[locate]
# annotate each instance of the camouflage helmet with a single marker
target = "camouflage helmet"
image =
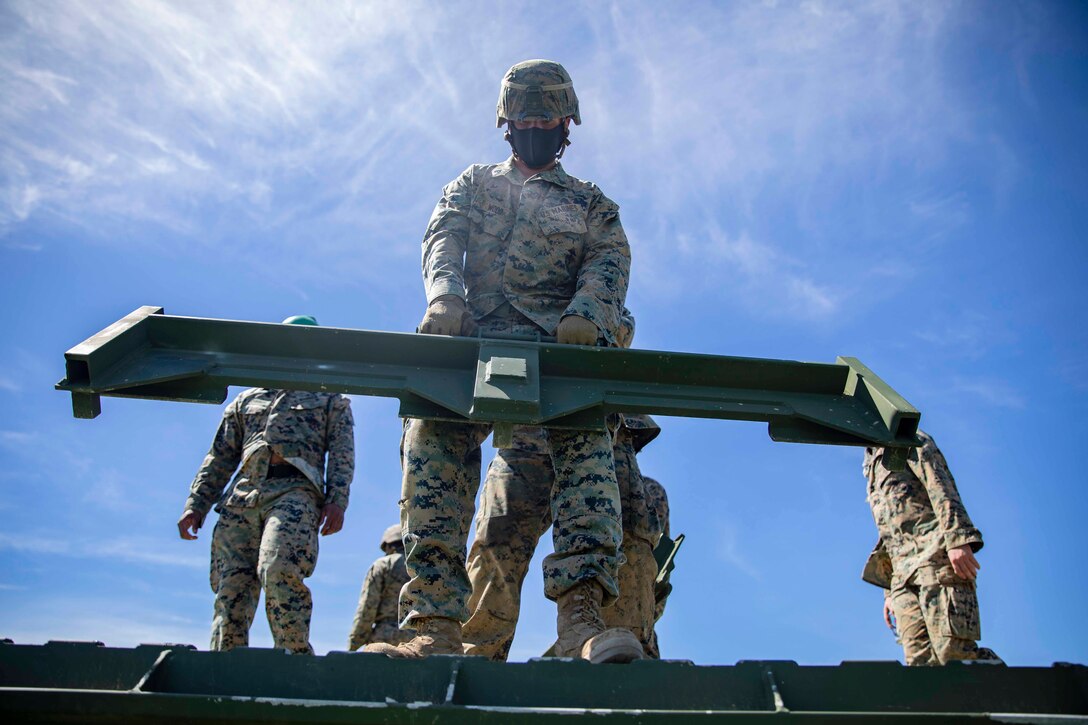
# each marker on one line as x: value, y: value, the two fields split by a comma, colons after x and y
x: 642, y: 429
x: 391, y: 536
x: 536, y: 89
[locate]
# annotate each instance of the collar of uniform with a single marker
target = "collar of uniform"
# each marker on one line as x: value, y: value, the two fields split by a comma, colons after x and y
x: 555, y: 175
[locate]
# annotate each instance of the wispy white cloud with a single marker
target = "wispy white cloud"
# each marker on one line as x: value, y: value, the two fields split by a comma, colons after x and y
x: 966, y: 332
x: 88, y: 620
x: 761, y: 274
x: 992, y: 391
x: 298, y: 118
x: 139, y: 551
x: 730, y: 551
x: 941, y: 214
x: 107, y: 490
x: 16, y: 437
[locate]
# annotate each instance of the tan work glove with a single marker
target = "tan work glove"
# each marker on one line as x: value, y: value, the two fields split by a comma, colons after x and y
x: 448, y: 315
x: 575, y: 330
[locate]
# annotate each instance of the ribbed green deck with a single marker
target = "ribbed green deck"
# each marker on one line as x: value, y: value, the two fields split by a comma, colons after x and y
x: 88, y: 683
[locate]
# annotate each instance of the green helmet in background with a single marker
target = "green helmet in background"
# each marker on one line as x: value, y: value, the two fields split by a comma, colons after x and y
x: 536, y: 90
x: 300, y: 320
x: 391, y: 536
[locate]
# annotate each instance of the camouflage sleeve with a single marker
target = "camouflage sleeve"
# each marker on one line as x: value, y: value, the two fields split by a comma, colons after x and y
x: 369, y: 598
x: 659, y: 502
x: 341, y: 446
x: 605, y: 272
x: 446, y: 240
x: 218, y: 466
x: 929, y: 465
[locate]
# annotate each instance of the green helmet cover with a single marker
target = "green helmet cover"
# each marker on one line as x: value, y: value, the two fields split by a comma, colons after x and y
x: 301, y: 320
x: 536, y: 90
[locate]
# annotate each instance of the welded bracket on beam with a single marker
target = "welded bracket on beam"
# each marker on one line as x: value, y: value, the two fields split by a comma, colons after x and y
x: 503, y: 382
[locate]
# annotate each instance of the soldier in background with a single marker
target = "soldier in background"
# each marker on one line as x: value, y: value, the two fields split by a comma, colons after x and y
x: 515, y: 513
x: 376, y: 617
x: 269, y: 518
x: 925, y: 557
x: 658, y: 502
x: 519, y: 248
x: 642, y: 528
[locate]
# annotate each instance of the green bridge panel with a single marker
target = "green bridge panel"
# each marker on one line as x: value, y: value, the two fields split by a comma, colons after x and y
x: 503, y: 381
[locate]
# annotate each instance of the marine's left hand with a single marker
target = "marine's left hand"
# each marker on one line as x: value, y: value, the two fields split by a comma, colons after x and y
x: 332, y: 519
x: 576, y: 330
x: 964, y: 562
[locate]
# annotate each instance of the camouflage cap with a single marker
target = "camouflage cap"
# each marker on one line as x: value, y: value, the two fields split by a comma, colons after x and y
x: 391, y: 536
x: 643, y: 429
x: 536, y: 89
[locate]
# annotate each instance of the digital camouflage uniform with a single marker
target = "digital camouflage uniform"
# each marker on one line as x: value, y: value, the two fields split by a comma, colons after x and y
x: 515, y: 513
x: 523, y: 253
x: 920, y: 517
x: 376, y: 617
x: 266, y: 536
x: 658, y: 502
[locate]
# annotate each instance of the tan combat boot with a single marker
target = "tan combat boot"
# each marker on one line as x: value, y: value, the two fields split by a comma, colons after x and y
x: 583, y: 634
x: 434, y: 636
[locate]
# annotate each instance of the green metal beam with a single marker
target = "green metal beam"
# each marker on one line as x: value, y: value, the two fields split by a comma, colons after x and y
x: 82, y: 682
x: 502, y: 381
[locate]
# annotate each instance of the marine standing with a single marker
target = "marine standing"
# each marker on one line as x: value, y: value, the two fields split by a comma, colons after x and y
x: 283, y: 493
x: 925, y: 557
x: 519, y: 247
x: 515, y: 512
x: 659, y: 502
x: 376, y: 616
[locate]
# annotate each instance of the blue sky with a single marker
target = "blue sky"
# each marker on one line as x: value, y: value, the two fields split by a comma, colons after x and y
x: 902, y: 182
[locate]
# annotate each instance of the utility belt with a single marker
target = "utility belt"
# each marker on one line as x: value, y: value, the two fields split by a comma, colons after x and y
x: 283, y: 470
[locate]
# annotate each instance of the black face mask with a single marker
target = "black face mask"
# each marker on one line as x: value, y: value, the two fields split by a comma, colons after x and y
x: 537, y: 147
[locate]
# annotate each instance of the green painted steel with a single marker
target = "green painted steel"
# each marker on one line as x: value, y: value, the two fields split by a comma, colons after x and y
x: 85, y: 682
x: 503, y: 381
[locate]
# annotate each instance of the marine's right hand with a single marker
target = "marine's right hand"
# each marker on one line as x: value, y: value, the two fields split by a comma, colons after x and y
x: 447, y: 315
x: 189, y: 524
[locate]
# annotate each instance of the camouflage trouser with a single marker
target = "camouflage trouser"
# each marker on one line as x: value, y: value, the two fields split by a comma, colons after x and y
x: 634, y: 610
x: 514, y: 514
x: 441, y: 477
x: 271, y: 546
x: 938, y: 623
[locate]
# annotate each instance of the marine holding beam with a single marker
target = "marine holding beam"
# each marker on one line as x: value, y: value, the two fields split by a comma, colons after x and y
x: 152, y: 355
